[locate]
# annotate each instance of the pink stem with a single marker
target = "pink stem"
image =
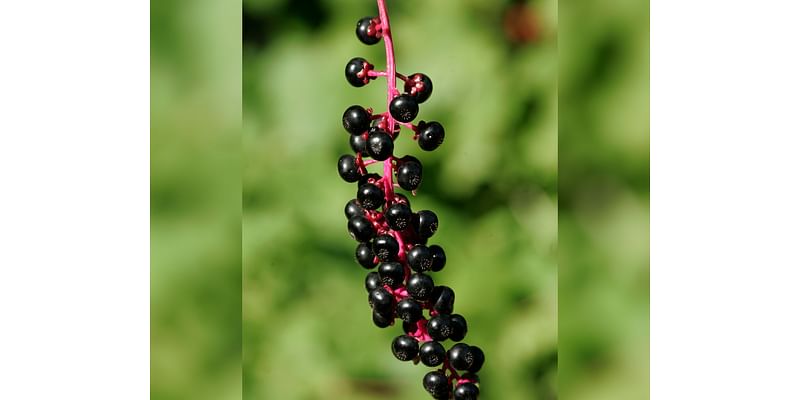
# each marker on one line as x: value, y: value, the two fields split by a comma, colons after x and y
x: 391, y: 92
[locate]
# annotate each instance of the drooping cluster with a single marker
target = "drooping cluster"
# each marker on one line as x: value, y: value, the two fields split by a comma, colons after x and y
x: 393, y: 239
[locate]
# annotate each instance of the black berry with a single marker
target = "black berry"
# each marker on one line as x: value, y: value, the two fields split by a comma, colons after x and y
x: 459, y: 325
x: 420, y: 286
x: 419, y: 258
x: 370, y: 196
x: 353, y: 208
x: 438, y: 257
x: 364, y: 256
x: 425, y: 224
x: 405, y: 347
x: 379, y: 145
x: 367, y: 30
x: 356, y: 71
x: 443, y: 299
x: 382, y: 319
x: 380, y: 299
x: 372, y: 281
x: 478, y: 359
x: 409, y: 173
x: 368, y: 178
x: 385, y: 247
x: 348, y: 169
x: 355, y: 120
x: 466, y: 391
x: 391, y: 273
x: 431, y: 135
x: 360, y: 228
x: 439, y: 327
x: 409, y: 310
x: 404, y: 108
x: 398, y: 216
x: 436, y: 383
x: 419, y: 86
x: 432, y: 354
x: 358, y: 143
x: 461, y: 356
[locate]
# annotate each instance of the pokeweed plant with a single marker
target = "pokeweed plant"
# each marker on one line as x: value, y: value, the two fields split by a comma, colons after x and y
x: 393, y: 239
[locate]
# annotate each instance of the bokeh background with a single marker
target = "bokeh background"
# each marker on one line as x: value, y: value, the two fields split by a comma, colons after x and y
x: 307, y: 330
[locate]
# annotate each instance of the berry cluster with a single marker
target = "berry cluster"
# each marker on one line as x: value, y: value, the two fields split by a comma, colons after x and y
x: 393, y: 239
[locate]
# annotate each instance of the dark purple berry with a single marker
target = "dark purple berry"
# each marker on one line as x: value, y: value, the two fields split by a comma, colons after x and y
x: 360, y: 228
x: 409, y: 173
x: 404, y: 108
x: 358, y: 143
x: 355, y: 120
x: 419, y: 86
x: 391, y: 273
x: 466, y: 391
x: 380, y: 299
x: 370, y: 196
x: 398, y: 216
x: 409, y: 310
x: 420, y: 286
x: 439, y: 327
x: 436, y: 383
x: 372, y: 281
x: 353, y: 208
x: 364, y: 256
x: 459, y: 324
x: 405, y: 348
x: 443, y: 299
x: 425, y: 224
x: 348, y: 169
x: 431, y: 135
x: 478, y: 359
x: 419, y: 258
x: 432, y: 354
x: 385, y: 247
x: 368, y: 178
x: 367, y: 30
x: 461, y: 356
x: 356, y: 71
x: 382, y: 319
x: 438, y: 257
x: 379, y: 145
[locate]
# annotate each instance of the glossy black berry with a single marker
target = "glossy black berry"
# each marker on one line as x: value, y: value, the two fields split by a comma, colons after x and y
x: 466, y: 391
x: 380, y: 299
x: 409, y: 173
x: 405, y: 348
x: 460, y: 356
x: 348, y: 169
x: 420, y: 286
x: 459, y: 324
x: 401, y: 198
x: 419, y: 86
x: 409, y: 327
x: 409, y: 310
x: 443, y: 299
x: 404, y: 108
x: 398, y: 216
x: 367, y: 31
x: 419, y: 258
x: 385, y: 247
x: 392, y: 273
x: 355, y: 120
x: 383, y: 124
x: 438, y: 257
x: 372, y: 281
x: 431, y: 135
x: 432, y: 354
x: 368, y: 178
x: 436, y: 383
x: 379, y: 145
x: 425, y: 224
x: 364, y: 256
x: 360, y: 228
x: 370, y: 196
x: 353, y: 208
x: 478, y: 359
x: 382, y: 319
x: 439, y: 327
x: 358, y: 143
x: 355, y: 67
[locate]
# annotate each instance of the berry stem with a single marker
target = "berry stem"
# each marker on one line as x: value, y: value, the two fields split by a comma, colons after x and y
x: 391, y: 90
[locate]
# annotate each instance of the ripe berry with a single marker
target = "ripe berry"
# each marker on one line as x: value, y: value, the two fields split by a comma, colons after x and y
x: 385, y: 247
x: 353, y: 208
x: 398, y: 216
x: 360, y: 228
x: 478, y: 359
x: 420, y: 286
x: 372, y: 281
x: 391, y: 273
x: 358, y: 143
x: 356, y: 71
x: 409, y: 173
x: 461, y: 356
x: 439, y: 259
x: 466, y: 391
x: 380, y: 299
x: 442, y: 299
x: 419, y: 86
x: 425, y: 224
x: 436, y: 383
x: 439, y: 327
x: 368, y: 178
x: 364, y: 256
x: 409, y: 310
x: 404, y: 108
x: 405, y: 347
x: 419, y: 258
x: 367, y: 31
x: 431, y: 135
x: 348, y: 169
x: 379, y: 145
x: 459, y: 324
x: 383, y: 124
x: 355, y: 120
x: 382, y: 319
x: 431, y: 354
x: 370, y: 196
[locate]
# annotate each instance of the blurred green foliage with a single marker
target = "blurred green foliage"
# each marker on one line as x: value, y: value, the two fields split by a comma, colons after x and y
x: 307, y: 326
